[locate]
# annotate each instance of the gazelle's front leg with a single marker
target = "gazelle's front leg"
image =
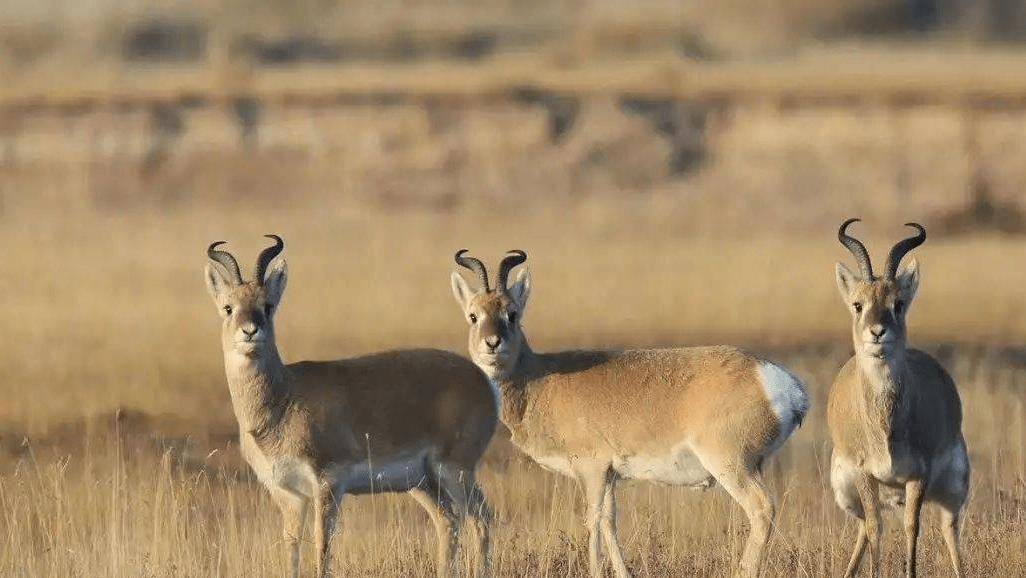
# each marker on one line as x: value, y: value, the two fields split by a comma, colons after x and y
x: 867, y: 488
x: 608, y: 525
x: 293, y: 515
x: 913, y: 508
x: 327, y: 500
x: 592, y: 478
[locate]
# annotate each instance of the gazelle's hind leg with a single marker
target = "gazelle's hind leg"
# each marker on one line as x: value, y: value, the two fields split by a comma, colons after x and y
x: 951, y: 495
x: 949, y: 529
x: 846, y: 494
x: 746, y: 486
x: 447, y: 523
x: 458, y: 481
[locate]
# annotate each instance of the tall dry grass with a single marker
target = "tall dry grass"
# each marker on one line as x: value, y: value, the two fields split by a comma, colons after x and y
x: 105, y: 310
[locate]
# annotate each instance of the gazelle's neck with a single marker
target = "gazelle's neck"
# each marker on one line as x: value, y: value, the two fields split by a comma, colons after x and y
x: 883, y: 375
x: 256, y: 383
x: 514, y: 386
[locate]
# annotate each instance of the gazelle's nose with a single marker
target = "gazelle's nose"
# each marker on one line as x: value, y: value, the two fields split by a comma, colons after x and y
x: 250, y: 329
x: 493, y: 341
x: 878, y: 330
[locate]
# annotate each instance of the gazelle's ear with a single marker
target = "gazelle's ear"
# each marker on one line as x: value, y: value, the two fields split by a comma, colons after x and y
x: 908, y: 280
x: 461, y: 290
x: 219, y: 282
x: 520, y: 290
x: 846, y: 282
x: 275, y: 280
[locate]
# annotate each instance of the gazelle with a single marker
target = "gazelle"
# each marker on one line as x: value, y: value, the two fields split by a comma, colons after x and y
x: 894, y: 413
x: 412, y: 421
x: 687, y: 417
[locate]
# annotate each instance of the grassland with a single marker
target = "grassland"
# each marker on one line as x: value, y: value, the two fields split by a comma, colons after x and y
x: 117, y: 438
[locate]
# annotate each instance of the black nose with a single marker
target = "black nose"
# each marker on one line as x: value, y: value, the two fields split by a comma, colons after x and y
x: 878, y: 331
x: 251, y: 330
x: 493, y: 341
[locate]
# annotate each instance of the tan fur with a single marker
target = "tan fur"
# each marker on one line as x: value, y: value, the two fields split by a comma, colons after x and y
x: 414, y: 421
x: 684, y: 416
x: 895, y: 419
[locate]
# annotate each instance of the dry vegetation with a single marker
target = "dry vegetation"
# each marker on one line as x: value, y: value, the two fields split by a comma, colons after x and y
x: 105, y: 309
x: 117, y: 443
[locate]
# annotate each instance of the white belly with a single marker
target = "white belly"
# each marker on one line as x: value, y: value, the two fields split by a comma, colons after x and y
x: 399, y: 473
x: 677, y: 467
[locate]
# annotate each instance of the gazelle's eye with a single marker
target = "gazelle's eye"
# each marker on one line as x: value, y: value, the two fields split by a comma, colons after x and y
x: 473, y: 318
x: 227, y: 309
x: 268, y: 309
x: 899, y: 306
x: 857, y: 307
x: 512, y: 317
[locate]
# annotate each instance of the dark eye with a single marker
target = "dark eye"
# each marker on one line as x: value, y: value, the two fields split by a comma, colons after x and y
x: 473, y: 318
x: 857, y: 307
x: 512, y: 317
x: 899, y: 306
x: 227, y: 309
x: 268, y: 309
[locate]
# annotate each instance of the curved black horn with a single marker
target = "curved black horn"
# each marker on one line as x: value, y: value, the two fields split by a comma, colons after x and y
x: 857, y: 249
x: 515, y: 258
x: 903, y: 247
x: 266, y: 256
x: 474, y: 265
x: 225, y: 259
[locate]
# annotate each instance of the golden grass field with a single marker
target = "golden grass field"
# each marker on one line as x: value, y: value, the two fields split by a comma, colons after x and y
x: 117, y: 449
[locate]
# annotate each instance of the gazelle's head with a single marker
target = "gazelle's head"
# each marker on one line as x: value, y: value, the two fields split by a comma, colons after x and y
x: 247, y: 307
x: 494, y: 313
x: 878, y: 305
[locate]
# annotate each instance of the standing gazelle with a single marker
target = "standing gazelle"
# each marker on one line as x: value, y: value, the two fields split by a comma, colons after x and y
x: 894, y: 413
x: 402, y: 421
x: 686, y: 417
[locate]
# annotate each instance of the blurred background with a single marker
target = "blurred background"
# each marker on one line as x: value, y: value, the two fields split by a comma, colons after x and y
x: 676, y: 170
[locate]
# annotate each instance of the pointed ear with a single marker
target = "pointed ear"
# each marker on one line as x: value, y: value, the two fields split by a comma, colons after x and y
x: 275, y: 280
x: 908, y: 279
x: 461, y: 290
x: 520, y: 290
x: 846, y: 282
x: 218, y: 281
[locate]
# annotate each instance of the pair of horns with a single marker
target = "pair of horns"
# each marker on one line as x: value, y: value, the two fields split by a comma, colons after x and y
x: 226, y: 260
x: 514, y: 258
x: 893, y: 259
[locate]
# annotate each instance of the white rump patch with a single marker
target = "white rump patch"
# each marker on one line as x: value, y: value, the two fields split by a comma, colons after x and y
x: 787, y: 398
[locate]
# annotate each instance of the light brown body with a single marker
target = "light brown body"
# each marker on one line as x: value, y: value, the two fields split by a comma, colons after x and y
x: 895, y: 418
x: 398, y: 421
x: 687, y: 416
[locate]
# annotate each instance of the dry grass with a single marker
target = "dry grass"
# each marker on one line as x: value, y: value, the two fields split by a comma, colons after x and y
x: 106, y: 309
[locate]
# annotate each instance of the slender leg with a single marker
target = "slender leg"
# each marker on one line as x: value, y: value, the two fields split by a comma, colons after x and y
x: 457, y: 481
x: 749, y: 491
x: 913, y: 508
x: 949, y: 529
x: 593, y: 480
x: 439, y: 506
x: 480, y: 516
x: 856, y: 554
x: 293, y: 514
x: 608, y: 525
x: 867, y: 488
x: 326, y: 506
